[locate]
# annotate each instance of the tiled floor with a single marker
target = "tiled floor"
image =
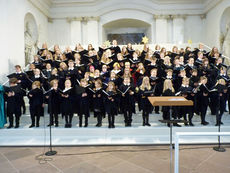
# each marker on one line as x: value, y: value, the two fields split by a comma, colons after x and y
x: 125, y: 159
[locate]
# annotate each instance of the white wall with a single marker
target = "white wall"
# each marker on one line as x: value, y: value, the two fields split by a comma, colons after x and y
x: 12, y: 32
x: 59, y: 32
x: 212, y: 24
x: 194, y: 29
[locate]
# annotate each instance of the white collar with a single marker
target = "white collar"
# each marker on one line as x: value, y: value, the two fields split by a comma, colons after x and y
x: 184, y: 85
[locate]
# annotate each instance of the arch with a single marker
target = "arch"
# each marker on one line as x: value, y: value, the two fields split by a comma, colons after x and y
x: 127, y: 18
x: 132, y: 29
x: 30, y: 37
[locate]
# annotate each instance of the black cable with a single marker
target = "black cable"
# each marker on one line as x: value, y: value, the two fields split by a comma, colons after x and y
x: 139, y: 150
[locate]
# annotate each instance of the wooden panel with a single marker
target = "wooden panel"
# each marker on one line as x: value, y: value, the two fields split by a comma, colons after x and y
x: 170, y: 101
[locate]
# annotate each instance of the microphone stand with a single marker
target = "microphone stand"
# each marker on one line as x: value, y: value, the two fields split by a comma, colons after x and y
x: 50, y: 152
x: 219, y: 148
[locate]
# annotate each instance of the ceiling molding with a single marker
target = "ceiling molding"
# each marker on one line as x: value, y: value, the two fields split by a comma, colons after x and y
x: 43, y: 6
x: 210, y: 4
x: 74, y: 8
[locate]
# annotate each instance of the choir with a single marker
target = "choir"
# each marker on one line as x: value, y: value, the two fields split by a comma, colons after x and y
x: 112, y: 81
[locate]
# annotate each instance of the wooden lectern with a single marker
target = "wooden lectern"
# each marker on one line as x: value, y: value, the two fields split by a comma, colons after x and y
x: 170, y: 101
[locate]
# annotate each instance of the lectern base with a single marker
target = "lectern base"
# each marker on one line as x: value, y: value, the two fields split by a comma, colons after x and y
x: 50, y: 153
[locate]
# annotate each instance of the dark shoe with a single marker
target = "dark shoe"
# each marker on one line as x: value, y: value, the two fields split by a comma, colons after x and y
x: 56, y: 125
x: 109, y: 126
x: 97, y: 125
x: 177, y: 125
x: 113, y: 126
x: 66, y: 125
x: 221, y: 123
x: 17, y: 126
x: 147, y: 124
x: 217, y: 124
x: 157, y: 112
x: 70, y: 125
x: 86, y: 125
x: 37, y: 125
x: 10, y: 126
x: 186, y: 124
x: 32, y: 125
x: 191, y: 124
x: 49, y: 125
x: 168, y: 124
x: 205, y: 123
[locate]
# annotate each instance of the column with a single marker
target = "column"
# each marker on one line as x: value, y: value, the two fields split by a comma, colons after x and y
x: 93, y: 31
x: 170, y: 29
x: 75, y: 31
x: 178, y: 29
x: 161, y: 28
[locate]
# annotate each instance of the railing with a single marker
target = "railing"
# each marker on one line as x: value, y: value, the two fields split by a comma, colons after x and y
x: 179, y: 134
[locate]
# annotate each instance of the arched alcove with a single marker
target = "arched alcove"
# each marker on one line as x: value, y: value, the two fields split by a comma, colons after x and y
x: 30, y: 37
x: 126, y: 30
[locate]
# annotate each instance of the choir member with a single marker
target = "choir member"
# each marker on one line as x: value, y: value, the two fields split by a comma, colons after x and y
x: 127, y: 100
x: 145, y: 91
x: 71, y: 73
x: 110, y: 102
x: 187, y: 92
x: 14, y: 95
x: 157, y: 85
x: 203, y: 99
x: 168, y: 90
x: 22, y: 80
x: 83, y: 97
x: 115, y: 48
x: 47, y: 72
x: 54, y: 102
x: 222, y: 98
x: 36, y: 102
x: 67, y: 103
x: 98, y: 106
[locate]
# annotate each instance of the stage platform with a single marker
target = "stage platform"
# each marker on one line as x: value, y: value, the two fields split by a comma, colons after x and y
x: 157, y: 134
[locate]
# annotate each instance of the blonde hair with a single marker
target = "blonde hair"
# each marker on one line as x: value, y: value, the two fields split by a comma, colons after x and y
x: 167, y: 60
x: 64, y: 66
x: 185, y: 79
x: 83, y: 80
x: 105, y: 58
x: 116, y: 64
x: 114, y: 87
x: 167, y: 84
x: 142, y: 87
x: 139, y: 65
x: 37, y: 83
x: 53, y: 81
x: 222, y: 82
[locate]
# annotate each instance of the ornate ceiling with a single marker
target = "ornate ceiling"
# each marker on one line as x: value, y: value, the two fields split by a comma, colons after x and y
x: 68, y: 8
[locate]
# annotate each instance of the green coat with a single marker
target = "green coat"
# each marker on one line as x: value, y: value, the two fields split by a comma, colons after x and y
x: 2, y: 114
